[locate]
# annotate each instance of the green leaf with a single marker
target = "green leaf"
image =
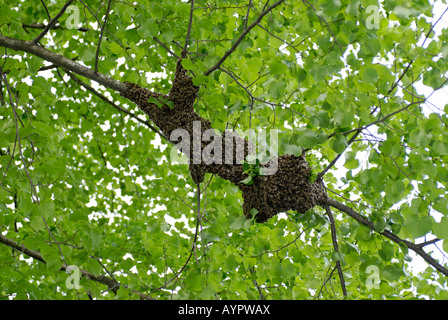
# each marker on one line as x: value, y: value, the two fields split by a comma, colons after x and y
x: 320, y: 119
x: 370, y: 74
x: 420, y: 138
x: 292, y: 149
x: 405, y: 13
x: 46, y: 207
x: 94, y: 267
x: 276, y: 89
x: 277, y: 67
x: 363, y: 233
x: 187, y: 64
x: 331, y: 6
x: 301, y: 74
x: 337, y: 257
x: 155, y: 101
x: 434, y: 78
x: 350, y: 161
x: 440, y: 148
x: 149, y: 28
x: 343, y: 117
x: 94, y: 239
x: 307, y: 139
x: 418, y: 226
x: 51, y: 256
x: 200, y: 80
x: 445, y: 51
x: 115, y: 48
x: 338, y: 143
x: 236, y: 223
x: 37, y: 223
x: 441, y: 229
x: 395, y: 191
x: 248, y: 181
x: 87, y: 53
x: 34, y: 64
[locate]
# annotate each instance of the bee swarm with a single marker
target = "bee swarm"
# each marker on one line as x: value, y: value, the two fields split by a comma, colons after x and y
x: 288, y: 189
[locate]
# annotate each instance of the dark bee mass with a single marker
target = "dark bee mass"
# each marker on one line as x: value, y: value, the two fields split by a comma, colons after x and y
x: 287, y: 189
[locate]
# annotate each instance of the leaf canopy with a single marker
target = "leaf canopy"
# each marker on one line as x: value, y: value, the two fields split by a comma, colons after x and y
x: 85, y: 184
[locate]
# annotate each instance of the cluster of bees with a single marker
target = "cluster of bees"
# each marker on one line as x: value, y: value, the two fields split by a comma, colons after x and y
x: 288, y: 189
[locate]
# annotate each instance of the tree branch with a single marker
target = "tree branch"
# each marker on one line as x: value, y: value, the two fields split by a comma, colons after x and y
x: 51, y: 23
x: 111, y: 283
x: 187, y: 38
x: 241, y: 37
x: 105, y: 99
x: 399, y: 79
x: 336, y: 247
x: 56, y: 26
x: 61, y: 61
x: 193, y: 246
x: 246, y: 19
x: 363, y: 220
x: 46, y: 9
x: 359, y: 130
x: 101, y: 35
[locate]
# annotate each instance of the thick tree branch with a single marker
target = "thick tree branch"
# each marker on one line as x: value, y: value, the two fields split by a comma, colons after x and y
x: 61, y: 61
x: 105, y: 99
x: 363, y: 220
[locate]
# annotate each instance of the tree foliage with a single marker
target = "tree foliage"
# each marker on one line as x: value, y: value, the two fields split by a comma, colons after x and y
x: 87, y: 179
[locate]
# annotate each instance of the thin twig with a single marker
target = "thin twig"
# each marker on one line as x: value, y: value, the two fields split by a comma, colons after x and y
x: 241, y: 37
x: 101, y: 35
x: 52, y: 22
x: 336, y: 248
x: 398, y: 80
x: 193, y: 246
x: 246, y: 19
x: 324, y: 22
x: 25, y: 167
x: 46, y: 9
x: 187, y: 38
x: 166, y: 47
x: 359, y: 130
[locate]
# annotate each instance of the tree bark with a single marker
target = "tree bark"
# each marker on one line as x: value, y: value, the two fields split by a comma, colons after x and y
x: 61, y: 61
